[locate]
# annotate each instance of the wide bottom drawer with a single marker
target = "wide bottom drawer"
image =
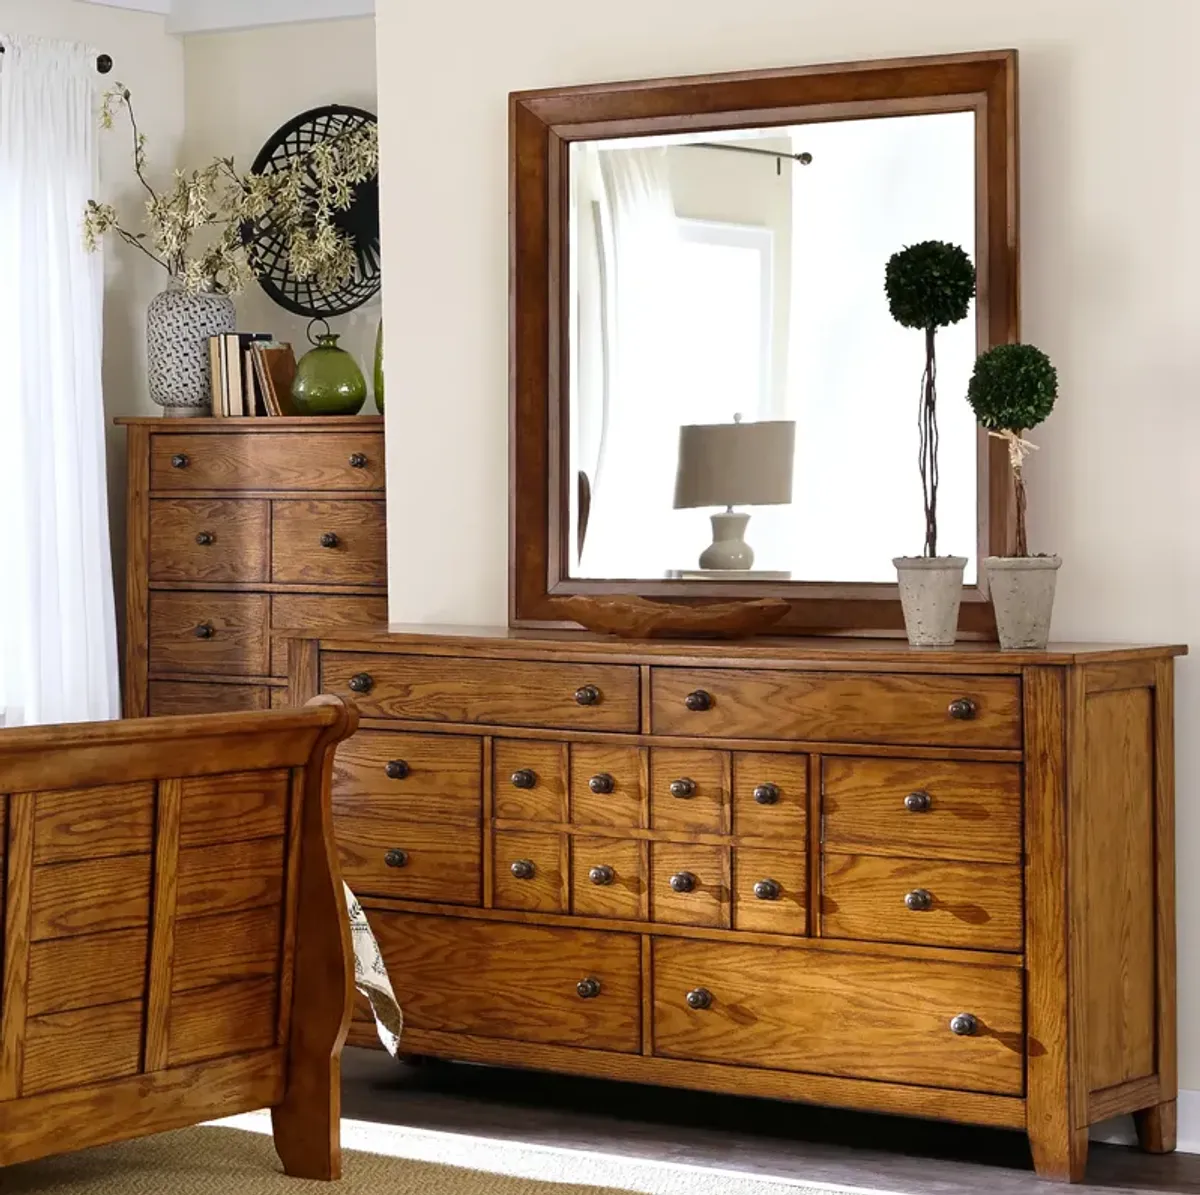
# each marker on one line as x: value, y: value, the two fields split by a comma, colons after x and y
x: 850, y: 1015
x: 529, y: 983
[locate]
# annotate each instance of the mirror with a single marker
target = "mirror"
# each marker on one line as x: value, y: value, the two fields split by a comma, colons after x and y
x: 733, y: 357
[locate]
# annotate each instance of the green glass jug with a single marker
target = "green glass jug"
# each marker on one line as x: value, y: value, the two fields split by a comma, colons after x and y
x: 328, y: 380
x: 379, y: 368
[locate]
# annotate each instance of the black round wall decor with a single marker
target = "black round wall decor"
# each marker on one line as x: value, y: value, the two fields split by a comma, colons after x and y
x: 267, y: 246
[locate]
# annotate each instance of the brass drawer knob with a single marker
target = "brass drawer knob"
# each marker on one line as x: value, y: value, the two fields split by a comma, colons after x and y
x: 525, y: 778
x: 587, y: 695
x: 767, y: 794
x: 963, y: 710
x: 603, y: 783
x: 329, y: 540
x: 964, y: 1025
x: 358, y: 460
x: 699, y: 999
x: 205, y: 538
x: 919, y: 900
x: 204, y: 631
x: 180, y: 461
x: 362, y: 682
x: 523, y: 869
x: 397, y: 769
x: 767, y: 890
x: 699, y: 701
x: 588, y: 989
x: 683, y: 788
x: 602, y: 876
x: 396, y: 858
x: 918, y: 802
x: 683, y: 881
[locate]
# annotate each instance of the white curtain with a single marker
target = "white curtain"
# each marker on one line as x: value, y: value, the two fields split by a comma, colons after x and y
x: 58, y: 655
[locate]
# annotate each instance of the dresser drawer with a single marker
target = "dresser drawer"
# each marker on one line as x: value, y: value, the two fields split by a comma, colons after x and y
x: 529, y: 780
x: 328, y: 543
x: 209, y: 633
x: 924, y: 902
x: 208, y: 539
x: 498, y: 692
x: 963, y: 711
x: 770, y: 890
x: 689, y: 884
x: 514, y: 981
x: 608, y: 785
x: 410, y: 860
x: 351, y: 460
x: 531, y: 871
x: 689, y: 790
x: 608, y: 878
x: 770, y: 796
x: 839, y: 1014
x: 326, y: 613
x: 945, y: 809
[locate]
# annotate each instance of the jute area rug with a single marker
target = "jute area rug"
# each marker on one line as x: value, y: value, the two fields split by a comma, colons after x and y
x: 378, y: 1160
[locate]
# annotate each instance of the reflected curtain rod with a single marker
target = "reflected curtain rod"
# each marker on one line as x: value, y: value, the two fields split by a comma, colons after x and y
x: 805, y: 159
x: 104, y: 63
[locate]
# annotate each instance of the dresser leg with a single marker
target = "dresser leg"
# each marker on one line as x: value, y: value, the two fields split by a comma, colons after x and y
x: 1061, y: 1156
x: 1156, y: 1128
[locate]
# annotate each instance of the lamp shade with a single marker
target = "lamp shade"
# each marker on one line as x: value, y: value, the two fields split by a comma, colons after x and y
x: 735, y: 464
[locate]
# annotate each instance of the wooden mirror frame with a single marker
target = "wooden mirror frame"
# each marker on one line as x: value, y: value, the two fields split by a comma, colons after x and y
x: 542, y: 126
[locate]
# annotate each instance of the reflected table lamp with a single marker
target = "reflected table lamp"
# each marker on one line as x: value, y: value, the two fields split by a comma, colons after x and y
x: 734, y: 464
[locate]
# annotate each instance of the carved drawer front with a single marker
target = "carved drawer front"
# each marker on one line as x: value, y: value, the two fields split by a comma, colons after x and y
x: 410, y: 860
x: 382, y: 776
x: 209, y: 632
x: 770, y: 890
x: 608, y: 785
x: 209, y: 539
x: 840, y: 1014
x: 328, y: 543
x: 531, y: 871
x: 689, y: 884
x: 609, y: 878
x: 945, y: 809
x: 689, y: 790
x: 963, y: 711
x: 196, y: 697
x: 327, y: 613
x: 924, y: 902
x: 496, y: 692
x: 528, y: 983
x: 272, y: 461
x: 529, y: 780
x: 770, y: 796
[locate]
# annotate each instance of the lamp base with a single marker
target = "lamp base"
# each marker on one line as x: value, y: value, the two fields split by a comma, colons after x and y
x: 729, y: 549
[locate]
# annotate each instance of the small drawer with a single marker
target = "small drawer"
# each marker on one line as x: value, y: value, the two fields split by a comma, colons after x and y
x: 328, y: 543
x: 209, y: 632
x: 327, y: 614
x: 410, y: 860
x: 495, y: 692
x: 382, y: 776
x: 689, y: 884
x: 770, y: 891
x: 689, y: 790
x: 209, y: 540
x: 608, y: 785
x: 531, y: 871
x: 945, y: 809
x: 960, y: 711
x: 169, y: 697
x: 770, y: 796
x: 529, y: 780
x: 608, y: 878
x: 350, y: 460
x: 926, y: 903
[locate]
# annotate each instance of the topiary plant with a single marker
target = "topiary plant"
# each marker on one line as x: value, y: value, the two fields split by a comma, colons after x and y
x: 929, y: 286
x: 1013, y: 388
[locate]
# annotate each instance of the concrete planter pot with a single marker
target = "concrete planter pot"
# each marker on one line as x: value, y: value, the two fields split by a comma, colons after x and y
x: 930, y: 592
x: 1022, y: 589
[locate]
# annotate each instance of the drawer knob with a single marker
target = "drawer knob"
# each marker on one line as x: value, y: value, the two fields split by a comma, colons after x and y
x: 525, y: 778
x: 963, y: 710
x: 699, y: 999
x: 919, y: 802
x: 603, y: 783
x: 588, y: 989
x: 767, y: 890
x: 523, y: 869
x: 683, y: 881
x: 919, y: 900
x: 362, y: 682
x: 396, y: 858
x: 587, y: 695
x: 205, y: 538
x: 397, y: 769
x: 964, y: 1025
x: 329, y: 540
x: 358, y: 460
x: 767, y: 794
x: 204, y: 631
x: 699, y: 701
x: 683, y: 788
x: 180, y: 461
x: 602, y: 876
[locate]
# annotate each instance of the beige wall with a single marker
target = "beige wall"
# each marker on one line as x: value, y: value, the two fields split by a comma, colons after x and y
x: 1111, y: 252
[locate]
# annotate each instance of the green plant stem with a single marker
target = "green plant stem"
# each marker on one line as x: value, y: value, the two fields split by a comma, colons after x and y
x: 928, y: 456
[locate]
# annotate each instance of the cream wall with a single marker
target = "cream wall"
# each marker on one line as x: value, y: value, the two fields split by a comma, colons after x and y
x: 1111, y: 251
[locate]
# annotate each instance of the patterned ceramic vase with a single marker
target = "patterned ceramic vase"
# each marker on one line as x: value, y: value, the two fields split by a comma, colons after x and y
x: 178, y: 327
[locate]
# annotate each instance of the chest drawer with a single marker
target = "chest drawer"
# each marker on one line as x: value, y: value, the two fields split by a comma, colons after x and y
x: 324, y: 612
x: 839, y: 1014
x: 328, y: 543
x: 208, y: 539
x: 514, y: 981
x: 410, y: 860
x: 351, y: 460
x: 209, y: 633
x: 963, y: 711
x: 497, y: 692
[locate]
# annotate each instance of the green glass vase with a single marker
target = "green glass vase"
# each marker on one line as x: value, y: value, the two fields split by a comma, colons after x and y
x: 379, y: 368
x: 328, y: 380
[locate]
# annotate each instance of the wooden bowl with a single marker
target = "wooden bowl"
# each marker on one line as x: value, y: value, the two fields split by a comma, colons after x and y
x: 640, y: 618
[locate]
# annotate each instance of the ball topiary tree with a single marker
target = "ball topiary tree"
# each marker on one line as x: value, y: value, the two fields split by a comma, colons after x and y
x: 1013, y: 388
x: 929, y: 286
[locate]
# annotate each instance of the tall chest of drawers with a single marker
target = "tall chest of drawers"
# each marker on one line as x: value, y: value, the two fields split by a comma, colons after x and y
x: 237, y: 528
x: 935, y: 883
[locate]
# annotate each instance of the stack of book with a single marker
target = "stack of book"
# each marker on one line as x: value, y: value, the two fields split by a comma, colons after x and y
x: 252, y: 374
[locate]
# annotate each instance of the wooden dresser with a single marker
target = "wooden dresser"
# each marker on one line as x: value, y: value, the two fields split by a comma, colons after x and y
x: 935, y: 883
x: 237, y: 528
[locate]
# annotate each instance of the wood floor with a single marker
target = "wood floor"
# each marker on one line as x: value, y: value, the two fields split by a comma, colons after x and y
x: 746, y: 1135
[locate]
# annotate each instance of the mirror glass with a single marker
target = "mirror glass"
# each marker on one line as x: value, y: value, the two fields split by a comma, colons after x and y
x: 732, y: 353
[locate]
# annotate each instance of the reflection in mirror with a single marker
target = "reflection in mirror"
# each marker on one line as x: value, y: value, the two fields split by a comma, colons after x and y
x: 732, y: 352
